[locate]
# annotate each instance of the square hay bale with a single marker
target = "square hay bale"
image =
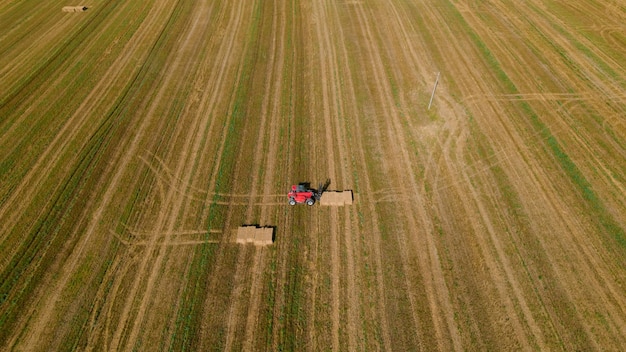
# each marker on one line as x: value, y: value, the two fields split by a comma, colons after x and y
x: 331, y: 198
x: 74, y: 8
x: 244, y: 234
x: 347, y: 197
x: 255, y: 234
x: 336, y: 198
x: 264, y: 236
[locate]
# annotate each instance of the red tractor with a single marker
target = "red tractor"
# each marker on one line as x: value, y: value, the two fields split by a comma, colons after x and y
x: 302, y: 193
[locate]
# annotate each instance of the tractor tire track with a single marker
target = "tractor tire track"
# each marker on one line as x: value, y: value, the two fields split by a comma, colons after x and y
x: 253, y: 330
x: 576, y: 235
x: 498, y: 265
x: 126, y: 334
x: 226, y: 42
x: 229, y: 44
x: 333, y: 53
x: 264, y: 159
x: 328, y: 74
x: 437, y: 291
x: 198, y: 25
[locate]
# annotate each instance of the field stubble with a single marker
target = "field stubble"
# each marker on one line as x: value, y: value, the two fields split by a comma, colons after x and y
x: 135, y: 138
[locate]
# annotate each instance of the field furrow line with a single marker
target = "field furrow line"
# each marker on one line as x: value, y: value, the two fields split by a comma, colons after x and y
x: 351, y: 301
x: 16, y: 52
x: 264, y: 159
x: 498, y: 265
x: 377, y: 319
x: 121, y: 336
x: 52, y: 295
x: 217, y: 74
x: 136, y: 137
x: 548, y: 31
x: 229, y: 44
x: 519, y: 146
x: 80, y: 119
x: 561, y: 50
x: 332, y: 56
x: 439, y: 295
x: 278, y: 274
x: 271, y: 170
x: 35, y: 78
x: 167, y: 221
x: 501, y: 260
x: 328, y: 75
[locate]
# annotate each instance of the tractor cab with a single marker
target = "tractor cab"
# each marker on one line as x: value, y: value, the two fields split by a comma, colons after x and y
x: 302, y: 193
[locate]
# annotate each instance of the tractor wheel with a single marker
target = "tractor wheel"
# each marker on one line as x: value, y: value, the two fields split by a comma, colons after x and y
x: 292, y: 201
x: 310, y: 201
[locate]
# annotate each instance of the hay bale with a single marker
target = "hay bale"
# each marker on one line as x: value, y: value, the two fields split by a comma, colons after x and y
x: 244, y: 235
x: 336, y: 198
x: 264, y: 236
x: 331, y: 198
x: 255, y: 234
x: 74, y: 8
x: 347, y: 198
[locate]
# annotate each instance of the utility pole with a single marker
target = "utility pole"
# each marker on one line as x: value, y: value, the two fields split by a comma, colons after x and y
x: 433, y: 94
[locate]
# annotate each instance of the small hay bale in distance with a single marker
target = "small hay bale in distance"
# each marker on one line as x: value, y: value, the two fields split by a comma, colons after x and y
x: 79, y: 8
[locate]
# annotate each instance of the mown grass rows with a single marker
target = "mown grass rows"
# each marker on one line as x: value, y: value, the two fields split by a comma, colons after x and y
x: 22, y: 51
x: 127, y: 106
x: 31, y: 260
x: 528, y: 249
x: 397, y: 236
x: 60, y: 226
x: 190, y: 315
x: 31, y: 130
x: 38, y: 120
x: 603, y: 218
x: 153, y: 67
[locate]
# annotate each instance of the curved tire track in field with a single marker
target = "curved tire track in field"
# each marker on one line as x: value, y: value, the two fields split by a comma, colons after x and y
x: 431, y: 272
x: 222, y: 68
x: 193, y: 193
x: 174, y: 206
x: 125, y: 334
x: 466, y: 234
x: 499, y: 267
x: 537, y: 174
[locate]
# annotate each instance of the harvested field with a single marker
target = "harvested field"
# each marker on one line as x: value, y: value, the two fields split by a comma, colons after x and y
x: 136, y: 138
